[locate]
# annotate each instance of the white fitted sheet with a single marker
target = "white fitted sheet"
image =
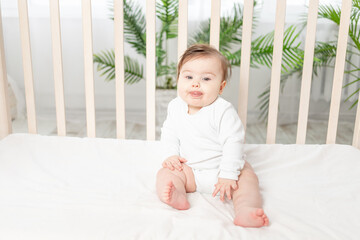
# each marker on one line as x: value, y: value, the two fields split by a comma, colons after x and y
x: 80, y: 188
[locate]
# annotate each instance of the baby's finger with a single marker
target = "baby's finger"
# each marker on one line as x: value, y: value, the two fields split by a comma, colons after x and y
x: 228, y: 192
x: 222, y: 194
x: 177, y: 164
x: 217, y: 189
x: 181, y: 159
x: 234, y: 186
x: 170, y: 166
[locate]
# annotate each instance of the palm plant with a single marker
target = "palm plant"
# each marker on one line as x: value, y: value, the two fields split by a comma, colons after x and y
x: 333, y: 13
x: 135, y: 35
x: 325, y: 53
x: 167, y: 13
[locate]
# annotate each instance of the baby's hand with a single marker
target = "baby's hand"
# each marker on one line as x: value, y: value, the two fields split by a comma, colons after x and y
x: 225, y: 186
x: 174, y: 162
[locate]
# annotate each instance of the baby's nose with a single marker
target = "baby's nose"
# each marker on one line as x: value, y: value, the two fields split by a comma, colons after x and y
x: 195, y: 85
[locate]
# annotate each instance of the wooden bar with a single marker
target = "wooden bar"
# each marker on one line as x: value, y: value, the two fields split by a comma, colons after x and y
x: 5, y: 115
x: 150, y: 69
x: 88, y: 68
x: 119, y: 68
x: 339, y: 71
x: 182, y: 27
x: 58, y: 67
x: 215, y: 23
x: 307, y: 72
x: 245, y: 61
x: 356, y: 136
x: 276, y: 71
x: 27, y: 65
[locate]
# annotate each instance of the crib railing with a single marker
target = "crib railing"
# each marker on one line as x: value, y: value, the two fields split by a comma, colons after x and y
x: 5, y: 122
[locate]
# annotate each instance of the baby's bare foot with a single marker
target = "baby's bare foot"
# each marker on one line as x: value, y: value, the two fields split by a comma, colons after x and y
x: 174, y: 198
x: 251, y: 217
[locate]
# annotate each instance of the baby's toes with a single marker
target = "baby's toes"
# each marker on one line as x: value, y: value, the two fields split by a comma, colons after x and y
x: 266, y: 220
x: 166, y: 193
x: 260, y: 212
x: 166, y: 196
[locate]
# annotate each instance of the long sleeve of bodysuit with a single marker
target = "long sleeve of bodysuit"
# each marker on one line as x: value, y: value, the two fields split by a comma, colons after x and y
x: 231, y: 136
x: 169, y: 140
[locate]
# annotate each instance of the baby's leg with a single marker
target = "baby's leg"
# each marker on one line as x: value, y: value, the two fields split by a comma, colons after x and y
x: 247, y: 200
x: 172, y: 186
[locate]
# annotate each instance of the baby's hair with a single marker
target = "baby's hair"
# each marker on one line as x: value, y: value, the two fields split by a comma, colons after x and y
x: 205, y: 50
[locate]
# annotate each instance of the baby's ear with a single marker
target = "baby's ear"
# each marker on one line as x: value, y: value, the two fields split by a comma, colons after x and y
x: 222, y: 86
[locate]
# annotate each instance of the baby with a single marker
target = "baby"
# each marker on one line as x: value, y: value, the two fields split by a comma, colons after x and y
x: 203, y: 140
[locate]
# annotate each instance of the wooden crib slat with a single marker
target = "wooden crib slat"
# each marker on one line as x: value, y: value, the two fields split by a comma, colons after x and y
x: 27, y: 65
x: 215, y: 23
x: 276, y: 71
x: 245, y: 61
x: 88, y: 68
x: 5, y: 116
x: 356, y: 137
x: 119, y: 68
x: 150, y: 69
x: 339, y: 71
x: 58, y: 67
x: 182, y: 27
x: 307, y: 72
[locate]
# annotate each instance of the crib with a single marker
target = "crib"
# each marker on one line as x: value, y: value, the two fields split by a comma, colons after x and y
x: 61, y: 187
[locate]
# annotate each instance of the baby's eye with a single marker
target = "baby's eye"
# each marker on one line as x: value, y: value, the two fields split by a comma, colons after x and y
x: 189, y: 77
x: 206, y: 79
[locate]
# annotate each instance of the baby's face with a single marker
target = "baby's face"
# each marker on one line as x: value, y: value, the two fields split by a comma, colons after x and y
x: 200, y: 82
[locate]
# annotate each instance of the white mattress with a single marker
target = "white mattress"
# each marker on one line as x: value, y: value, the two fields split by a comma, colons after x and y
x: 73, y: 188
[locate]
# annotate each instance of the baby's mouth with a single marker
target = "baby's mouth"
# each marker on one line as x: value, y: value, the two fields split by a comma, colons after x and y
x: 196, y: 94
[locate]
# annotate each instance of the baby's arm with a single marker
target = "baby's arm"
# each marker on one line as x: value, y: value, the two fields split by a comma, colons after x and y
x: 231, y: 135
x: 169, y: 137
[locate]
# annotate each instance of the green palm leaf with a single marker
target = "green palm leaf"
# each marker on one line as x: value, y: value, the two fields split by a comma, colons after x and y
x: 203, y: 35
x: 324, y: 55
x: 135, y: 26
x: 231, y: 30
x: 354, y: 30
x: 167, y: 12
x: 133, y: 70
x: 330, y: 12
x: 106, y: 65
x: 264, y: 97
x: 327, y: 58
x: 263, y: 47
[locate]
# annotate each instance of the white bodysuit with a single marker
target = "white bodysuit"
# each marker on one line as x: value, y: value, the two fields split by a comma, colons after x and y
x: 211, y: 141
